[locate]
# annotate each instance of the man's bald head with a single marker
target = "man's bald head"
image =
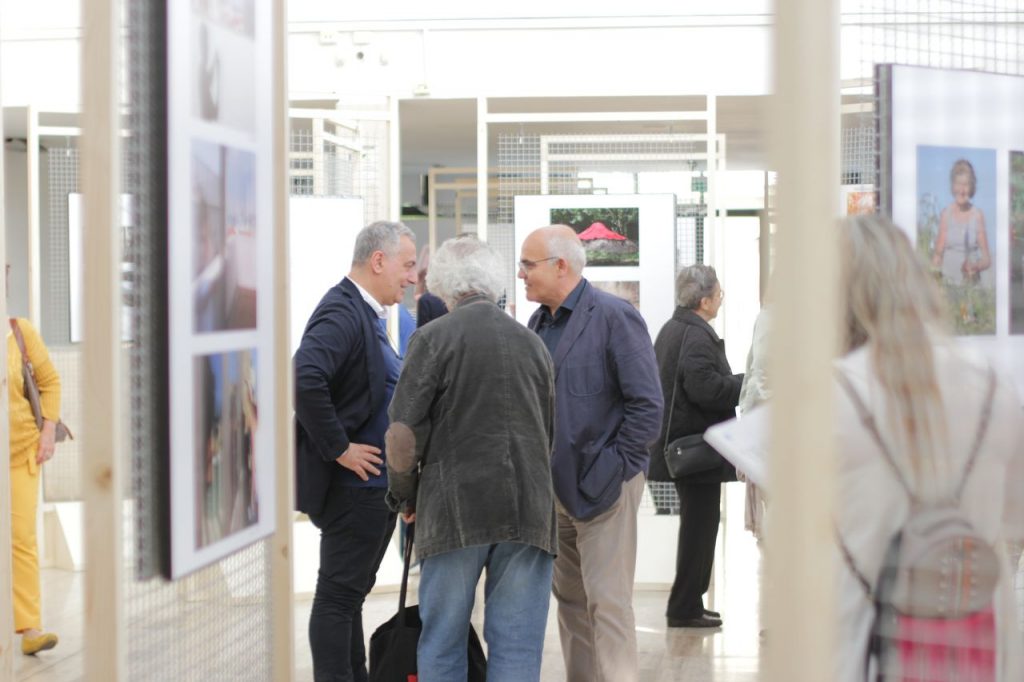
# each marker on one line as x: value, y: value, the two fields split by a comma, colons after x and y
x: 561, y: 241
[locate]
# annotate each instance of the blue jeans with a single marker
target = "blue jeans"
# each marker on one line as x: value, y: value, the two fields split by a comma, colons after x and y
x: 517, y: 592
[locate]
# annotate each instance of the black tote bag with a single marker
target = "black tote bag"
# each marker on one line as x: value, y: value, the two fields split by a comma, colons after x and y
x: 393, y: 644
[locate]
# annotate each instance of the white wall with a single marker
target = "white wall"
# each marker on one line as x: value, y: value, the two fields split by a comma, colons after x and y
x: 40, y: 61
x: 15, y: 221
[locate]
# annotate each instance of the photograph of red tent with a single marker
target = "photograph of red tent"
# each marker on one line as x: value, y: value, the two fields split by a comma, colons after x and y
x: 611, y: 236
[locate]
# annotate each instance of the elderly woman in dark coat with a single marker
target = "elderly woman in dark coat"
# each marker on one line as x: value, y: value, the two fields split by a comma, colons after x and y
x: 693, y: 367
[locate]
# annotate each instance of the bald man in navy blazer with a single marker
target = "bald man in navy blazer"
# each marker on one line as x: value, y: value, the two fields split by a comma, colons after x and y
x: 608, y: 409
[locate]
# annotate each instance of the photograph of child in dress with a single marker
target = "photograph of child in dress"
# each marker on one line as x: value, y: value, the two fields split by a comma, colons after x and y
x: 956, y: 204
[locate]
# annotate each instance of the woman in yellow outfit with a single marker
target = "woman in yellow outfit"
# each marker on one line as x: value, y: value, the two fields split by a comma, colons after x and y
x: 30, y: 447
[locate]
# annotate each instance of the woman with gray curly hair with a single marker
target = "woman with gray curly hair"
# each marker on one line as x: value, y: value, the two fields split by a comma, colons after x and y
x: 700, y: 390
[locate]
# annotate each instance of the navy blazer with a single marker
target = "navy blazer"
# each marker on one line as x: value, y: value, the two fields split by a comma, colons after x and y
x: 428, y: 308
x: 339, y: 380
x: 608, y: 402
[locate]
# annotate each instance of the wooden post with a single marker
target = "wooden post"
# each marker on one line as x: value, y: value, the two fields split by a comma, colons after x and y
x: 6, y: 605
x: 799, y: 590
x: 103, y: 407
x: 281, y: 589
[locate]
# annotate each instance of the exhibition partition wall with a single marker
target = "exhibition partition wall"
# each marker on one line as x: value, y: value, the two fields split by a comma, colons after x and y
x: 559, y: 167
x: 233, y: 617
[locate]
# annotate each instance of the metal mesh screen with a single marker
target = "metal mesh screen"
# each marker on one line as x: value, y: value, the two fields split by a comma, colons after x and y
x: 61, y: 482
x: 334, y: 159
x: 602, y: 164
x: 62, y: 164
x: 214, y: 624
x: 984, y: 35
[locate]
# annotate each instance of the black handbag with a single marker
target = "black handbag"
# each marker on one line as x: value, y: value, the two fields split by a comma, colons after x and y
x: 690, y: 456
x: 393, y: 644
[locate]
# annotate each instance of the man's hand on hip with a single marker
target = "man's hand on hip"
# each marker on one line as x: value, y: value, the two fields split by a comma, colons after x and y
x: 361, y: 459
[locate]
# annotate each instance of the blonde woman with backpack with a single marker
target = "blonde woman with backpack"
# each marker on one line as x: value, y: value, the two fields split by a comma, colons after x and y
x: 928, y: 434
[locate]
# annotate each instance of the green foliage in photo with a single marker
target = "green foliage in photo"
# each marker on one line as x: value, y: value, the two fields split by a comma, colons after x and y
x: 972, y: 308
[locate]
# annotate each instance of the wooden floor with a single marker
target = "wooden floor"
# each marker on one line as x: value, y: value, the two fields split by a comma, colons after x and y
x: 730, y: 654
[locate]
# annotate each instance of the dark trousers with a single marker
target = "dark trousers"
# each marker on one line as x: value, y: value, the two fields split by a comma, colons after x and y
x: 355, y: 529
x: 699, y: 515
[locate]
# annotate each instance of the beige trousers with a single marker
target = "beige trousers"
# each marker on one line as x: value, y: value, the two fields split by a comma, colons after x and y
x: 593, y: 583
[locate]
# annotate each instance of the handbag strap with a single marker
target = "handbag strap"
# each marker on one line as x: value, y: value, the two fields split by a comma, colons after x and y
x: 675, y: 383
x: 16, y: 328
x: 409, y: 532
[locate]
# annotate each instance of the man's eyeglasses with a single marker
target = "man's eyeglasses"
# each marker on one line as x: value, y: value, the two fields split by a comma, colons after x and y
x: 528, y: 265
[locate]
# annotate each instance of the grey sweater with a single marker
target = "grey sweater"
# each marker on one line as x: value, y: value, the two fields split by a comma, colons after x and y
x: 469, y: 447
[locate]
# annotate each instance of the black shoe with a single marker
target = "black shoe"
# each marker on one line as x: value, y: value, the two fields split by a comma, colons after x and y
x: 699, y: 622
x: 712, y: 614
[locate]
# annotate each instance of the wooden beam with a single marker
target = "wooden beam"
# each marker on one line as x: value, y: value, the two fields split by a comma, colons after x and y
x: 282, y: 599
x: 799, y: 590
x: 103, y: 453
x: 6, y: 602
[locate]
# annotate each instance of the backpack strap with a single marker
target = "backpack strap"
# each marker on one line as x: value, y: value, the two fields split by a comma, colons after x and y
x: 852, y: 565
x: 870, y: 424
x: 979, y: 436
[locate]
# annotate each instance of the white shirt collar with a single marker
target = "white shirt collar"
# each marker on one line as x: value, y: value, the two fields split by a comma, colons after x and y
x: 380, y: 310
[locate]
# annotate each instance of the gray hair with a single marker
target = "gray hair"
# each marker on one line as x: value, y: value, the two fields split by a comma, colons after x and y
x: 379, y: 236
x: 465, y: 266
x: 570, y: 249
x: 693, y: 283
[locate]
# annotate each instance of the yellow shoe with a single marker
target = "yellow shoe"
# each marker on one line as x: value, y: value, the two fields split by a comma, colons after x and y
x: 30, y: 646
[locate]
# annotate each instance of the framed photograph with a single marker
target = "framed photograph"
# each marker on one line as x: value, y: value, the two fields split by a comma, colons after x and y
x: 956, y: 201
x: 629, y: 291
x: 950, y: 176
x: 630, y: 240
x: 225, y: 467
x: 220, y: 488
x: 857, y: 200
x: 224, y: 241
x: 1016, y: 242
x: 611, y: 236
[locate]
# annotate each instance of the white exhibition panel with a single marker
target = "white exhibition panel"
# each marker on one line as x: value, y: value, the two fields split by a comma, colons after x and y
x: 321, y: 243
x: 76, y: 264
x: 971, y: 111
x: 657, y: 248
x: 220, y: 179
